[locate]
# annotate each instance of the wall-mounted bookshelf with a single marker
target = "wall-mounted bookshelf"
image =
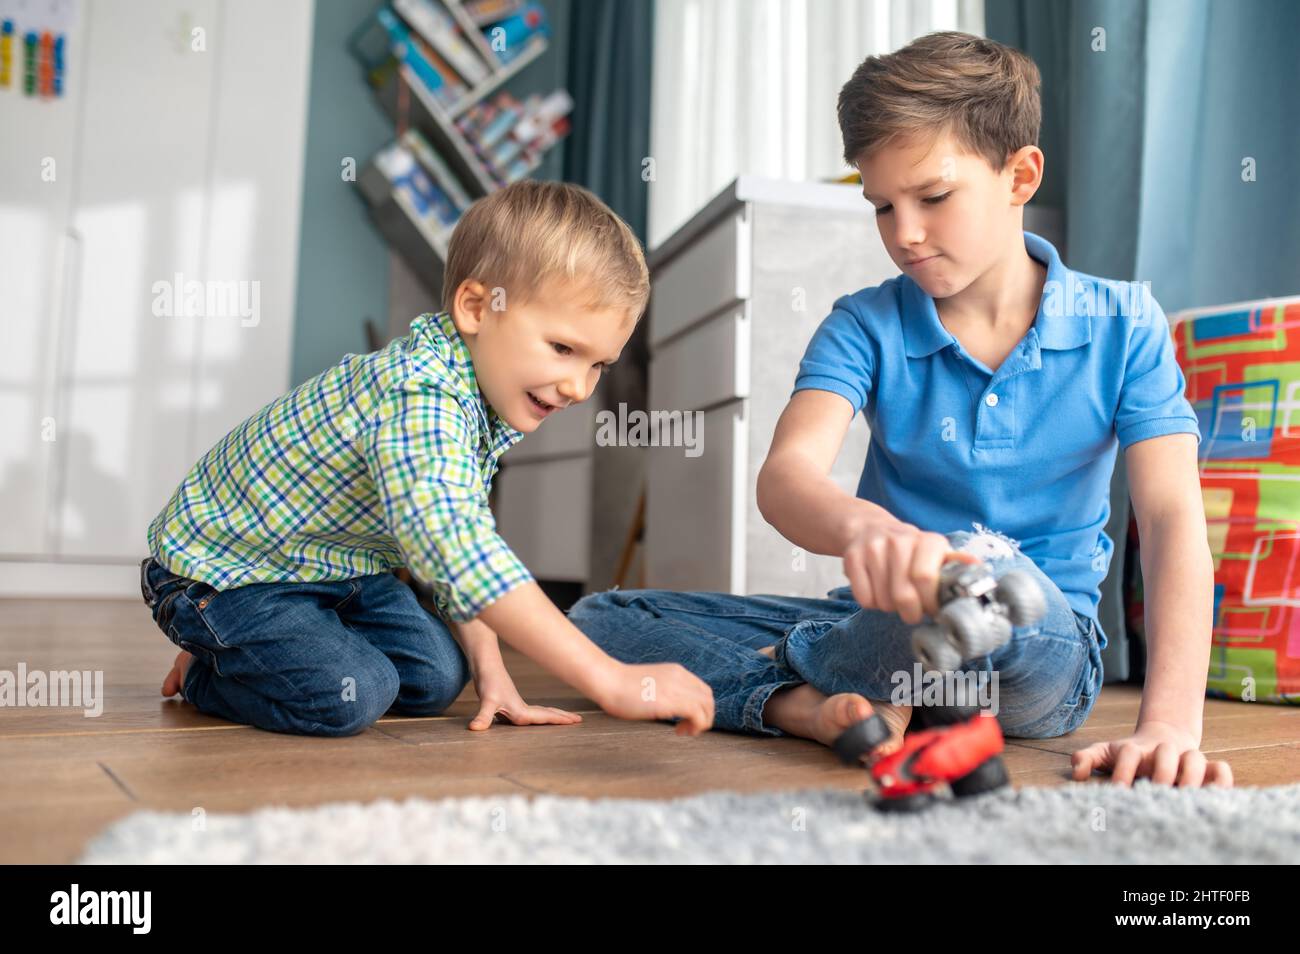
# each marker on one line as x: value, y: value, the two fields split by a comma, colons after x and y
x: 437, y: 67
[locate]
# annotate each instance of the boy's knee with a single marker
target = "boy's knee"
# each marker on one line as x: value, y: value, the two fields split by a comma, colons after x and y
x: 361, y: 700
x: 597, y: 603
x: 1043, y: 729
x: 428, y: 688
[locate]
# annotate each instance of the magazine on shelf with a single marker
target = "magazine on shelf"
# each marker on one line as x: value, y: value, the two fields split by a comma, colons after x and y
x: 512, y: 35
x: 437, y: 168
x: 437, y: 27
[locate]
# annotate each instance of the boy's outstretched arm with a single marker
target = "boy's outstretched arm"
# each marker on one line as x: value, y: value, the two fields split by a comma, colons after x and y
x: 496, y: 691
x: 422, y: 455
x: 891, y: 565
x: 527, y: 620
x: 795, y: 492
x: 1178, y: 583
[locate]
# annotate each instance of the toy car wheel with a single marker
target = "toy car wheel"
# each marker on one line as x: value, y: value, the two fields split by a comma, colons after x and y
x: 860, y: 739
x: 904, y: 803
x: 996, y: 633
x: 1022, y: 596
x: 933, y: 648
x: 967, y: 622
x: 931, y: 716
x: 989, y: 776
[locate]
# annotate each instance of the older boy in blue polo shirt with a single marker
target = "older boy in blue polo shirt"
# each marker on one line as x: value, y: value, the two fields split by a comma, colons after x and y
x: 998, y: 384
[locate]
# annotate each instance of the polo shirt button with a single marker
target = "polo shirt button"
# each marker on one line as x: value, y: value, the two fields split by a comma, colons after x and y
x: 991, y: 400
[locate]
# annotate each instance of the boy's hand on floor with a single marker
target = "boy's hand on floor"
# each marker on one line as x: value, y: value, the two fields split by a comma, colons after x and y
x: 499, y: 697
x: 1165, y: 753
x: 894, y: 567
x: 659, y: 691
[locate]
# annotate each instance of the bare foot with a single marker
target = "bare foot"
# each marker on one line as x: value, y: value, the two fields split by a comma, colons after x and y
x: 803, y: 711
x: 176, y: 678
x: 814, y: 716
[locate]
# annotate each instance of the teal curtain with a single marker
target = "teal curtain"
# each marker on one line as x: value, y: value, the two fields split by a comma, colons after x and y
x: 1146, y: 144
x: 610, y: 54
x: 609, y: 62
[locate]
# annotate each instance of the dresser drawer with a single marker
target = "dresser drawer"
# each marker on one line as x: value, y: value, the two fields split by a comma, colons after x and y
x: 695, y: 508
x: 544, y: 512
x: 711, y: 274
x: 707, y: 366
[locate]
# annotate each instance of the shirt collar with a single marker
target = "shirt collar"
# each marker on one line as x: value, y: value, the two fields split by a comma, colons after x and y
x: 451, y: 347
x: 1063, y: 314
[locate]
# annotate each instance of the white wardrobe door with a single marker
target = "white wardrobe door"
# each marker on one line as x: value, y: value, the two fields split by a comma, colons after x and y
x: 141, y: 216
x: 259, y: 136
x: 36, y: 175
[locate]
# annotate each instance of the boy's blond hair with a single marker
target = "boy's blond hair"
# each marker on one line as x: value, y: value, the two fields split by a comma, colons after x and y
x: 532, y: 232
x: 984, y: 93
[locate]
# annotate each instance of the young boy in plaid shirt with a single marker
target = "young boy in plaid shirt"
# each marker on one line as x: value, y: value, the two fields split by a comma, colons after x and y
x: 271, y: 565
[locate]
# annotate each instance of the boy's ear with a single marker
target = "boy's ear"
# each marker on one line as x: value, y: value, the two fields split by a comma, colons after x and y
x: 469, y: 306
x: 1026, y: 168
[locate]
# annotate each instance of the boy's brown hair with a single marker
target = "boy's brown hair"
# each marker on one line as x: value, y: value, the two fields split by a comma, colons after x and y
x: 984, y: 93
x: 531, y: 232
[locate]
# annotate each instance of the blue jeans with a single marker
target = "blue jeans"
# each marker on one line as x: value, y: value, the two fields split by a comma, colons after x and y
x: 307, y: 658
x: 1048, y: 675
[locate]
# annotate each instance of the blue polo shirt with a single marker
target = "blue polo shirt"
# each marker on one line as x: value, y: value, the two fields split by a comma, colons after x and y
x: 1027, y: 450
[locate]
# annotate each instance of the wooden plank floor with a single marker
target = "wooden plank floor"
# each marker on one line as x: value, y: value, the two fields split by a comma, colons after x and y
x: 65, y: 776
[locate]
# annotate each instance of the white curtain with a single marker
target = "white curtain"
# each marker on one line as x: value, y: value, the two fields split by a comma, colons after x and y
x: 748, y: 87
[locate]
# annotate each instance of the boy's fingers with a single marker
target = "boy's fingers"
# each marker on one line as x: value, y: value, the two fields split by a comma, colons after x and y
x: 927, y: 560
x: 1126, y: 764
x: 877, y: 561
x: 1191, y: 772
x: 1164, y: 763
x: 1085, y: 761
x: 485, y: 716
x: 1219, y: 773
x: 859, y: 581
x: 1081, y: 765
x: 699, y: 719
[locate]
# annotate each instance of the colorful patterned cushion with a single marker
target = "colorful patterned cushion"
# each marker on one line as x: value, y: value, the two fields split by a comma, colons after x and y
x: 1242, y: 365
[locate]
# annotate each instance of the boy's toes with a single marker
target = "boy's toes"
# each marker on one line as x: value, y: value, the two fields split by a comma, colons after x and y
x: 836, y: 713
x: 848, y: 708
x: 176, y: 678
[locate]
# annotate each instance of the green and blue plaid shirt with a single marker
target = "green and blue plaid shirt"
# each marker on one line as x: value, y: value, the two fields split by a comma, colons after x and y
x: 382, y: 461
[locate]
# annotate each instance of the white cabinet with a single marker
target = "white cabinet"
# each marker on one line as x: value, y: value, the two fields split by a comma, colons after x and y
x: 543, y: 495
x: 737, y: 293
x: 178, y: 160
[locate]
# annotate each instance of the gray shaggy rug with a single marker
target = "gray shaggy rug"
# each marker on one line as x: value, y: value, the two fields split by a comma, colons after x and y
x: 1074, y: 823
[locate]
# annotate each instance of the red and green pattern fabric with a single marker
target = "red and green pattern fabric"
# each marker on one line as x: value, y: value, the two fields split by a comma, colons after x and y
x: 1242, y: 366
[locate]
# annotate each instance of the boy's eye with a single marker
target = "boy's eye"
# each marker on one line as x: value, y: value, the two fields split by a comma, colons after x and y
x: 929, y: 200
x: 561, y: 348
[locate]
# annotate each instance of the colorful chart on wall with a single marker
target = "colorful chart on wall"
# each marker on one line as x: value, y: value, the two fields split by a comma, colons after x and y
x: 34, y: 40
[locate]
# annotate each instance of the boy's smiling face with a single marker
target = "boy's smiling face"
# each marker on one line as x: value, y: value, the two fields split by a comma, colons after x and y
x: 943, y: 213
x: 540, y: 356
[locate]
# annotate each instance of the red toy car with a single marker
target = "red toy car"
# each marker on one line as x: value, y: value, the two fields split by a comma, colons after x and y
x: 958, y: 751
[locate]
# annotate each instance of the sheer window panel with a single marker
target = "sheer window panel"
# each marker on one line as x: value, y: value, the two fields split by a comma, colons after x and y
x: 748, y: 87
